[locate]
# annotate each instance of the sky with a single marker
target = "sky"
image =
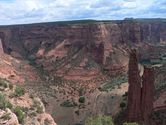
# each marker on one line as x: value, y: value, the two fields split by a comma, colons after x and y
x: 34, y: 11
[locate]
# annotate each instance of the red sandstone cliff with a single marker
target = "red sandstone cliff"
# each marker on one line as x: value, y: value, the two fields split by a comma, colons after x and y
x: 141, y: 92
x: 147, y: 95
x: 134, y: 93
x: 53, y: 44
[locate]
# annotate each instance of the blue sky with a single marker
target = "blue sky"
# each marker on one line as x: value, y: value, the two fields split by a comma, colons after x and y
x: 32, y: 11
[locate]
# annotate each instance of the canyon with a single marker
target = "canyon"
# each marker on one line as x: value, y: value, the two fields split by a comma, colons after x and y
x: 62, y: 62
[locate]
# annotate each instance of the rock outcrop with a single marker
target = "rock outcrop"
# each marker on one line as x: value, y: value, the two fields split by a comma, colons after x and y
x: 7, y: 117
x: 141, y: 92
x: 148, y: 90
x: 134, y: 93
x: 17, y: 107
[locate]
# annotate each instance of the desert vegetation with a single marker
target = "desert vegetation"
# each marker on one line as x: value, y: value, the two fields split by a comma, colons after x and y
x: 14, y: 101
x: 103, y: 120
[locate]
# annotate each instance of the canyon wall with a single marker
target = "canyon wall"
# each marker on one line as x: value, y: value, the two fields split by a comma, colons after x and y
x: 106, y: 43
x: 28, y: 39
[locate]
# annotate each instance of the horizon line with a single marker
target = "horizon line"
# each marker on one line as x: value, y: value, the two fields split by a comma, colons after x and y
x: 84, y: 21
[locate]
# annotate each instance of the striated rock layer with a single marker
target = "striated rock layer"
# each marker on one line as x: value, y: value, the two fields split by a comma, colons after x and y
x: 52, y: 45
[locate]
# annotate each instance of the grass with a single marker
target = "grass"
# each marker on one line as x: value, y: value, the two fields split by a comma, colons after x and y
x: 116, y: 81
x: 5, y: 116
x: 68, y: 103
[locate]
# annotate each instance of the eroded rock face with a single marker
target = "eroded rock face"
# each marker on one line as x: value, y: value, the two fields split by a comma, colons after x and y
x: 35, y: 113
x: 141, y: 92
x: 51, y: 43
x: 10, y: 120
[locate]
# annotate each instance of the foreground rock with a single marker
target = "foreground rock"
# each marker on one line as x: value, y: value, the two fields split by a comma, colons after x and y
x: 17, y: 107
x: 7, y: 117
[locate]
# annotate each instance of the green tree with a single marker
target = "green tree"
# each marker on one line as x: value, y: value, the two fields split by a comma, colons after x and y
x: 99, y: 120
x: 82, y: 99
x: 122, y: 105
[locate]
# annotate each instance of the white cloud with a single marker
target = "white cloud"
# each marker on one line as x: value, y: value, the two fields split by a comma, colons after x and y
x: 31, y: 11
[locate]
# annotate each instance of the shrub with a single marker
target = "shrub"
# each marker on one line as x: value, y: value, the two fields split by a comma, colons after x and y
x: 10, y: 86
x: 77, y: 112
x: 8, y: 105
x: 20, y: 114
x: 119, y: 117
x: 39, y: 109
x: 126, y: 94
x: 25, y: 109
x: 32, y: 58
x: 5, y: 85
x: 19, y: 91
x: 32, y: 114
x: 38, y: 106
x: 122, y: 105
x: 3, y: 103
x: 82, y: 99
